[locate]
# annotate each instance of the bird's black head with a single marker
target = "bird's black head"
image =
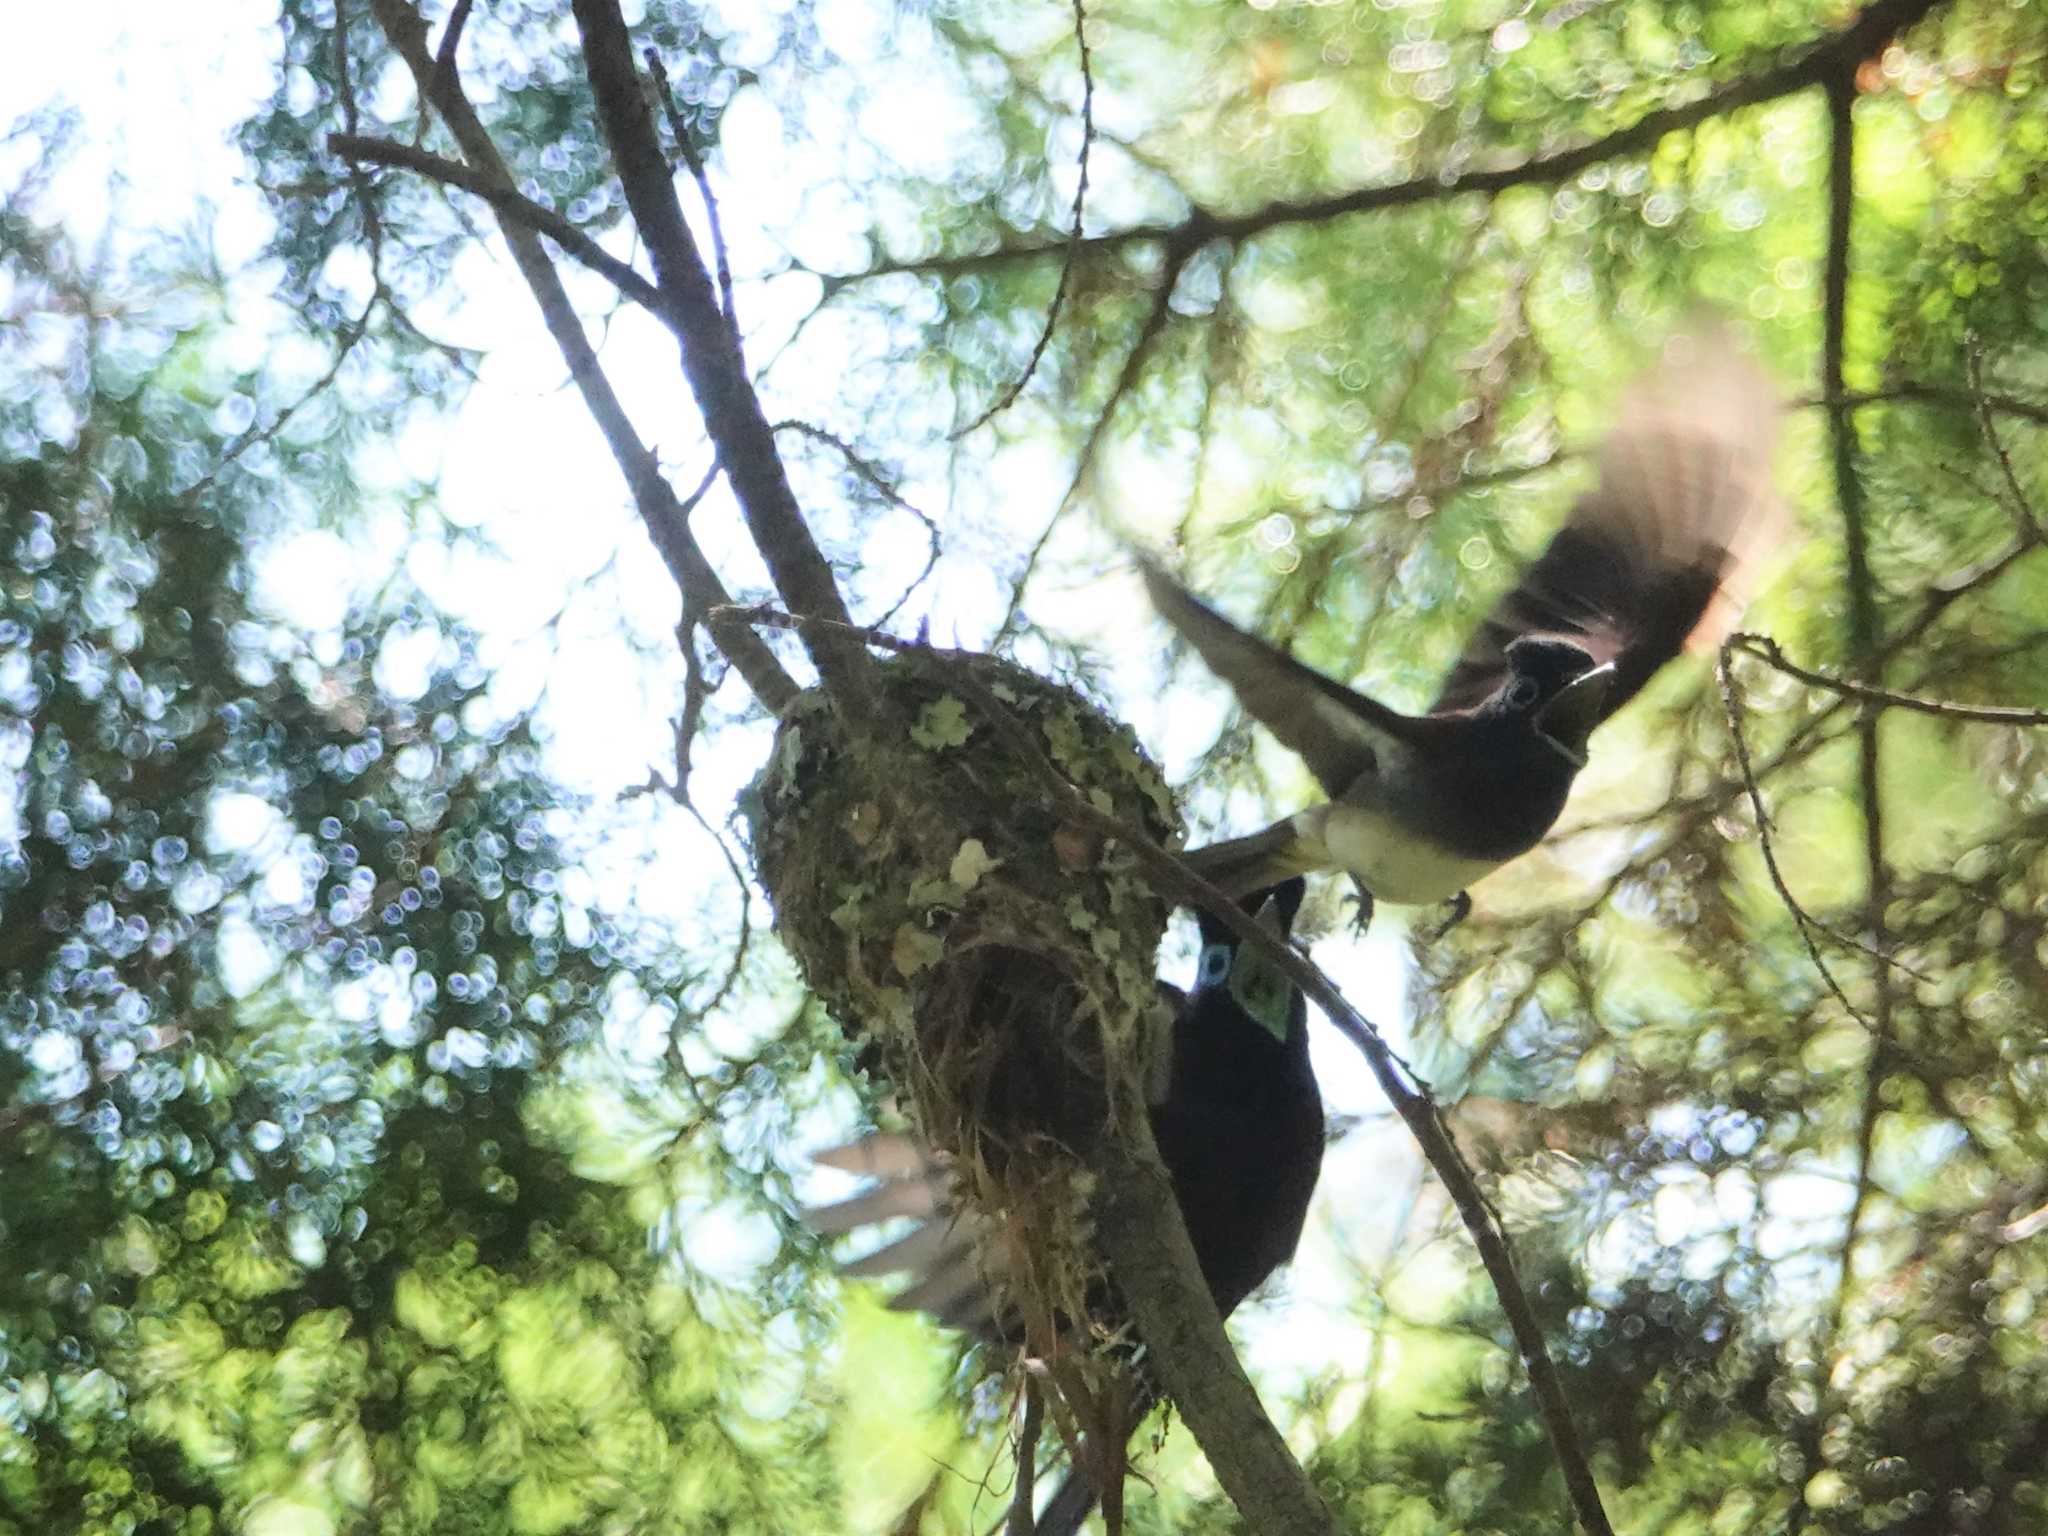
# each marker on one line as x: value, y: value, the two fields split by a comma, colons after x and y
x: 1285, y: 902
x: 1557, y: 685
x: 1252, y: 981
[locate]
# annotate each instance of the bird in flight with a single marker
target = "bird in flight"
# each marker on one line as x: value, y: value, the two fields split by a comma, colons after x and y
x: 1421, y: 806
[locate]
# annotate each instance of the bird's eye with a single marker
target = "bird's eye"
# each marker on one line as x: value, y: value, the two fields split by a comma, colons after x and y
x: 1215, y: 965
x: 1522, y: 693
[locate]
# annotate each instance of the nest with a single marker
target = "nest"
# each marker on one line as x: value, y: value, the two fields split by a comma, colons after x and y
x: 995, y: 961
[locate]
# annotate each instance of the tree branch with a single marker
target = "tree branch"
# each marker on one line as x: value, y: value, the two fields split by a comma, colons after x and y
x: 711, y: 357
x: 1177, y: 257
x: 1931, y: 394
x: 1864, y: 641
x: 1059, y: 294
x: 1815, y: 65
x: 653, y: 496
x: 1767, y: 650
x: 504, y: 200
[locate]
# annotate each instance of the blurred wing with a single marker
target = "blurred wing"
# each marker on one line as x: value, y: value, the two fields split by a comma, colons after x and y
x: 947, y: 1263
x: 1338, y: 733
x: 1650, y: 558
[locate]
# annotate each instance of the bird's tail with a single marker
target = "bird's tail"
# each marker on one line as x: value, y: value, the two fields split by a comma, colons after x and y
x: 1068, y: 1509
x: 1242, y: 865
x: 1687, y: 467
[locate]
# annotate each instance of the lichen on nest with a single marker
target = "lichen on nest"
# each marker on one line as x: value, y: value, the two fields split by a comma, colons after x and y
x: 998, y: 960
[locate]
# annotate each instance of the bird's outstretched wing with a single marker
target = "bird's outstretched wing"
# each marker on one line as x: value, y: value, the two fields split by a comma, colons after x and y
x: 1338, y: 733
x: 1653, y: 553
x: 944, y: 1254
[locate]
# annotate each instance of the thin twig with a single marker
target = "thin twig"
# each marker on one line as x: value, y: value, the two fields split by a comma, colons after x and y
x: 522, y: 210
x: 868, y: 471
x: 1177, y: 259
x: 687, y: 148
x: 2022, y: 506
x: 1009, y: 396
x: 1815, y: 64
x: 352, y: 335
x: 1411, y: 1099
x: 1926, y: 394
x: 738, y: 961
x: 1767, y: 650
x: 1800, y: 917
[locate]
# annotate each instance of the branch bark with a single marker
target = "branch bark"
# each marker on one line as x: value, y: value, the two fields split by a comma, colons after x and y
x: 653, y: 496
x: 505, y: 201
x: 712, y: 363
x: 1817, y: 64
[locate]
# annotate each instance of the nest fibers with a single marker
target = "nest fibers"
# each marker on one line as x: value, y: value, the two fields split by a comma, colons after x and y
x: 998, y: 960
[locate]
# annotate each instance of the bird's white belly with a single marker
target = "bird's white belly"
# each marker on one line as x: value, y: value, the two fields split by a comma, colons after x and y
x: 1395, y: 867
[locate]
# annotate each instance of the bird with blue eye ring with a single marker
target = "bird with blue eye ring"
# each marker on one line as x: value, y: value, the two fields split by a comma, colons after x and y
x: 1238, y: 1120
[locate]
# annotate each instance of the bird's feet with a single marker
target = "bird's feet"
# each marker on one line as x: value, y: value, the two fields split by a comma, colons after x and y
x: 1363, y: 898
x: 1461, y: 908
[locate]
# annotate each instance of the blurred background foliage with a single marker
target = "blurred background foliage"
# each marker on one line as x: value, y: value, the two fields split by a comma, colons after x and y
x: 402, y: 1128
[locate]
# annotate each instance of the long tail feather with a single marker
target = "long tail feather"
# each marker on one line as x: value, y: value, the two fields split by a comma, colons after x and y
x: 1242, y: 865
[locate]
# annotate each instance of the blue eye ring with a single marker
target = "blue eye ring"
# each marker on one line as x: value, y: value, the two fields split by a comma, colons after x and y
x: 1214, y: 966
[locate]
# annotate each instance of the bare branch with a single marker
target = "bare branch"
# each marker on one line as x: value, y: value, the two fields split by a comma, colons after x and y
x: 1801, y: 918
x: 1177, y: 259
x: 687, y: 148
x: 508, y: 203
x: 1765, y: 649
x: 1815, y: 65
x: 652, y: 494
x: 867, y: 470
x: 1987, y: 422
x: 444, y: 56
x: 711, y: 358
x: 1059, y: 294
x: 1928, y: 394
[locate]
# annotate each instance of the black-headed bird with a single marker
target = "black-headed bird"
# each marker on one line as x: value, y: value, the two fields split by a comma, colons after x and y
x: 1239, y: 1124
x: 1421, y: 806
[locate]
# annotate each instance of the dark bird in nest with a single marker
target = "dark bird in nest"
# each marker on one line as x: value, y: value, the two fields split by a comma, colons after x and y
x: 1239, y: 1125
x: 1421, y: 806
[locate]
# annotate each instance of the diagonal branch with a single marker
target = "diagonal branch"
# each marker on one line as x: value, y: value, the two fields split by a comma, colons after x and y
x: 711, y: 356
x: 653, y: 496
x: 1816, y: 65
x: 1177, y: 258
x: 1059, y: 294
x: 506, y: 202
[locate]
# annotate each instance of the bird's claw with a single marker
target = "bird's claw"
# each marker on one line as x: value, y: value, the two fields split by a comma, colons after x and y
x: 1363, y: 899
x: 1461, y: 908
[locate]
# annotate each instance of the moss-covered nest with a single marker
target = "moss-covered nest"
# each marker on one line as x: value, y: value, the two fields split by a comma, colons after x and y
x: 996, y: 960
